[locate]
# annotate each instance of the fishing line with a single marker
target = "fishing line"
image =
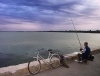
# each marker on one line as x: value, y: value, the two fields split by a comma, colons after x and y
x: 75, y: 30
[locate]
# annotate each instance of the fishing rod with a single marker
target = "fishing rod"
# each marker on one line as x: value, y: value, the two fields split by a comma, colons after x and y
x: 75, y: 30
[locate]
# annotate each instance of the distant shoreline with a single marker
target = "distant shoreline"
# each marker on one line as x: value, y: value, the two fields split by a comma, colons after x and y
x: 58, y: 31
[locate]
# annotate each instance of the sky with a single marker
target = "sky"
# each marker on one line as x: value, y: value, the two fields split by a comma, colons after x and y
x: 44, y: 15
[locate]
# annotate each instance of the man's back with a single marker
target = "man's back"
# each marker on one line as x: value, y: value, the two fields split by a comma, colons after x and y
x: 86, y: 53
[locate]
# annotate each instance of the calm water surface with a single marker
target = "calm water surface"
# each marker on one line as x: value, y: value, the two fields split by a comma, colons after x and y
x: 19, y: 47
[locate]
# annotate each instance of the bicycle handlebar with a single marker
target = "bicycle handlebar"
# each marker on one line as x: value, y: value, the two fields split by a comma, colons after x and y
x: 40, y: 49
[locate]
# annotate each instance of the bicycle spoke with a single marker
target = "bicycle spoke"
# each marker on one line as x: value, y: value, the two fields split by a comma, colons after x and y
x: 55, y: 61
x: 34, y: 66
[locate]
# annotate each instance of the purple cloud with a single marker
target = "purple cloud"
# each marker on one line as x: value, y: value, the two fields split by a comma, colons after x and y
x: 48, y: 13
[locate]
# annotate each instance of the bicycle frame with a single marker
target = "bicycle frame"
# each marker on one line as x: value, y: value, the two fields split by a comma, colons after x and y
x: 39, y: 57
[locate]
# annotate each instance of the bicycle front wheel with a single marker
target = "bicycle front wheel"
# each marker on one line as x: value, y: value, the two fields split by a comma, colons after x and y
x: 55, y: 61
x: 34, y: 66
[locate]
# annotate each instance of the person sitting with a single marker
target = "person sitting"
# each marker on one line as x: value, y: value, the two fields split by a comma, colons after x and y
x: 85, y: 53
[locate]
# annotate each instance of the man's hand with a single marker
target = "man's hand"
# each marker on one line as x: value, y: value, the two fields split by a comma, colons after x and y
x: 81, y: 49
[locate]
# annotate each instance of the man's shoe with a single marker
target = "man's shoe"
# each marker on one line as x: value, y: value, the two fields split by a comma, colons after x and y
x: 80, y: 61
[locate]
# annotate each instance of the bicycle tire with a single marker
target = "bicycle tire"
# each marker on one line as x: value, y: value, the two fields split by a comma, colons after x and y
x: 53, y: 62
x: 33, y: 68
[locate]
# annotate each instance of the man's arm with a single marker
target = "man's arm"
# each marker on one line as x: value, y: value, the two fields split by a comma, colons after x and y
x: 83, y: 50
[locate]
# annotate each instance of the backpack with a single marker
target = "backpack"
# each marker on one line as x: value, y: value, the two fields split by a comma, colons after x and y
x: 90, y: 57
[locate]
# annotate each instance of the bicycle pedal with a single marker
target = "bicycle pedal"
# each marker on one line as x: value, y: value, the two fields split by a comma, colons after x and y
x: 51, y: 63
x: 47, y: 63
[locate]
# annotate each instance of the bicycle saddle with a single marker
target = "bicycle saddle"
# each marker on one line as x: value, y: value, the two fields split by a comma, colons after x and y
x: 50, y: 50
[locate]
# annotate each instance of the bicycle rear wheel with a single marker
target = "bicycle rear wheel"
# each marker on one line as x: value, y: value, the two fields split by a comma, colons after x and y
x: 34, y: 66
x: 55, y: 61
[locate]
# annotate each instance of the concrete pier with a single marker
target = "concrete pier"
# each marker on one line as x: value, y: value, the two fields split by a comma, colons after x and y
x: 21, y: 69
x: 76, y: 69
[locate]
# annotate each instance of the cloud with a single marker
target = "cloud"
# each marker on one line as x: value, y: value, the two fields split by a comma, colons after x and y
x: 22, y: 8
x: 21, y: 26
x: 52, y: 13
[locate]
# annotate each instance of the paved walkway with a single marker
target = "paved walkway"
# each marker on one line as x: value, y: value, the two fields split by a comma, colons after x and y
x: 76, y: 69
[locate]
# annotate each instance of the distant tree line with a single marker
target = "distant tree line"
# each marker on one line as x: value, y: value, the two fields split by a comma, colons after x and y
x: 79, y: 31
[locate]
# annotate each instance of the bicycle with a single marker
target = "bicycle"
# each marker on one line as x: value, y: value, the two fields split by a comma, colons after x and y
x: 34, y: 66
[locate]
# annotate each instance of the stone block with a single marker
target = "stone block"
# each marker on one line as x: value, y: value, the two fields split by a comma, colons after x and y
x: 48, y: 67
x: 43, y: 66
x: 19, y: 72
x: 7, y: 74
x: 26, y: 71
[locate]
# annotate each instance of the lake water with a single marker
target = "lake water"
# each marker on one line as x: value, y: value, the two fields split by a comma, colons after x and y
x: 19, y: 47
